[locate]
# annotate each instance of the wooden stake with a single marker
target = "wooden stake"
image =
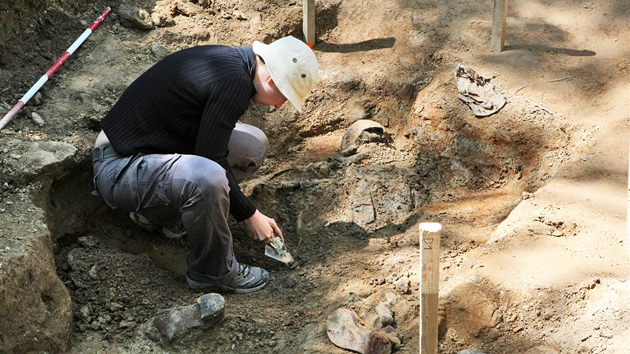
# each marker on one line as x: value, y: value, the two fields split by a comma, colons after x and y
x: 430, y: 256
x: 499, y: 21
x: 308, y: 26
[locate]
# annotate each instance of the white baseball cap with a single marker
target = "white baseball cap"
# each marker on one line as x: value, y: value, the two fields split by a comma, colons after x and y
x: 292, y: 66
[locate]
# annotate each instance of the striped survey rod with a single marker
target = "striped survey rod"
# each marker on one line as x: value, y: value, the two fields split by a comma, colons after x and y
x: 52, y: 69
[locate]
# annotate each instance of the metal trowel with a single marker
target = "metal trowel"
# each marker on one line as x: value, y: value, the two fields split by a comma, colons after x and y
x: 276, y: 250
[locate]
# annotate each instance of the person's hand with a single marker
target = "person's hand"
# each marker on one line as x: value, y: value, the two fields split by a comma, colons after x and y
x: 262, y: 228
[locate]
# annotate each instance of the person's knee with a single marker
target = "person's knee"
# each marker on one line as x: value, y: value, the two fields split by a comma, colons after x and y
x: 212, y: 179
x: 213, y: 182
x: 203, y: 176
x: 253, y: 132
x: 247, y: 150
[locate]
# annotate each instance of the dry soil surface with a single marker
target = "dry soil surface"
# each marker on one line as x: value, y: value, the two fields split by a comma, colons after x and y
x: 533, y: 199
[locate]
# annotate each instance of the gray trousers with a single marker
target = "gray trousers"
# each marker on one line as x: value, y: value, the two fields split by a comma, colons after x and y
x: 175, y: 189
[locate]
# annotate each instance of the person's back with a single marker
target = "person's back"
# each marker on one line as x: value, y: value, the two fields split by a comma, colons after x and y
x: 196, y: 93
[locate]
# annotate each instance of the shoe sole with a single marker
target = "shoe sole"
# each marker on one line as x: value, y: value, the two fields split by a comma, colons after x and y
x: 195, y: 285
x: 242, y: 290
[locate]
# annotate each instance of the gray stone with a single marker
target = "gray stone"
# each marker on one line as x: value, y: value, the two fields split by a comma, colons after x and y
x: 174, y: 322
x: 384, y: 316
x: 391, y: 298
x: 84, y: 313
x: 37, y: 119
x: 88, y: 241
x: 402, y: 285
x: 134, y: 17
x: 210, y: 306
x: 36, y: 158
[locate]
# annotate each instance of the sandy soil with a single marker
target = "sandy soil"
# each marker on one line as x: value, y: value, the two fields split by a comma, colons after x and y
x: 533, y: 199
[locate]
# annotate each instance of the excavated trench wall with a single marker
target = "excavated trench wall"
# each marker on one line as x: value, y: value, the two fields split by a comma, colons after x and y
x: 36, y: 309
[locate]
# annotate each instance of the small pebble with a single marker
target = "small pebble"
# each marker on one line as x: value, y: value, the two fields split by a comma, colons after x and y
x: 37, y: 119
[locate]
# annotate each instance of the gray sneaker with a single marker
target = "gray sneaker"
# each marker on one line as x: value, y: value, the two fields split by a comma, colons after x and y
x: 176, y: 232
x: 247, y: 280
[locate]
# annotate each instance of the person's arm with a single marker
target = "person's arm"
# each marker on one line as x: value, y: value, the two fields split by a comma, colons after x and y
x: 227, y: 103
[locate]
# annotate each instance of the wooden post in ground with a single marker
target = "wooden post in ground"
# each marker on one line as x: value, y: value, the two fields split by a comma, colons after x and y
x: 308, y: 26
x: 499, y: 21
x: 430, y: 259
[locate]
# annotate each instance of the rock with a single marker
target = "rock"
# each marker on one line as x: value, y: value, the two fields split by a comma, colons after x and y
x: 211, y: 306
x: 384, y: 316
x: 32, y: 296
x: 390, y: 333
x: 391, y: 298
x: 134, y: 17
x: 172, y: 323
x: 402, y: 285
x: 93, y: 273
x: 37, y: 158
x: 70, y: 259
x: 87, y: 241
x: 37, y: 119
x: 114, y: 306
x: 240, y: 15
x: 202, y: 3
x: 159, y: 51
x: 84, y: 313
x: 351, y: 299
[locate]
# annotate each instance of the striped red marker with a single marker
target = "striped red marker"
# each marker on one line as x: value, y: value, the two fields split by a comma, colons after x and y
x: 52, y: 69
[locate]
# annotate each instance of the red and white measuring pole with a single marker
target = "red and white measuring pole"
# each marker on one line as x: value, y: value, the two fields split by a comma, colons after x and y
x: 52, y: 69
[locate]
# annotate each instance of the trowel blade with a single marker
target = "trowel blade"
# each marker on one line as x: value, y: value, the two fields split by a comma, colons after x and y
x: 276, y: 250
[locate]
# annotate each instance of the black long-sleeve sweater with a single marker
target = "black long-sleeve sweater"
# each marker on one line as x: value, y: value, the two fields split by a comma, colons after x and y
x: 187, y: 103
